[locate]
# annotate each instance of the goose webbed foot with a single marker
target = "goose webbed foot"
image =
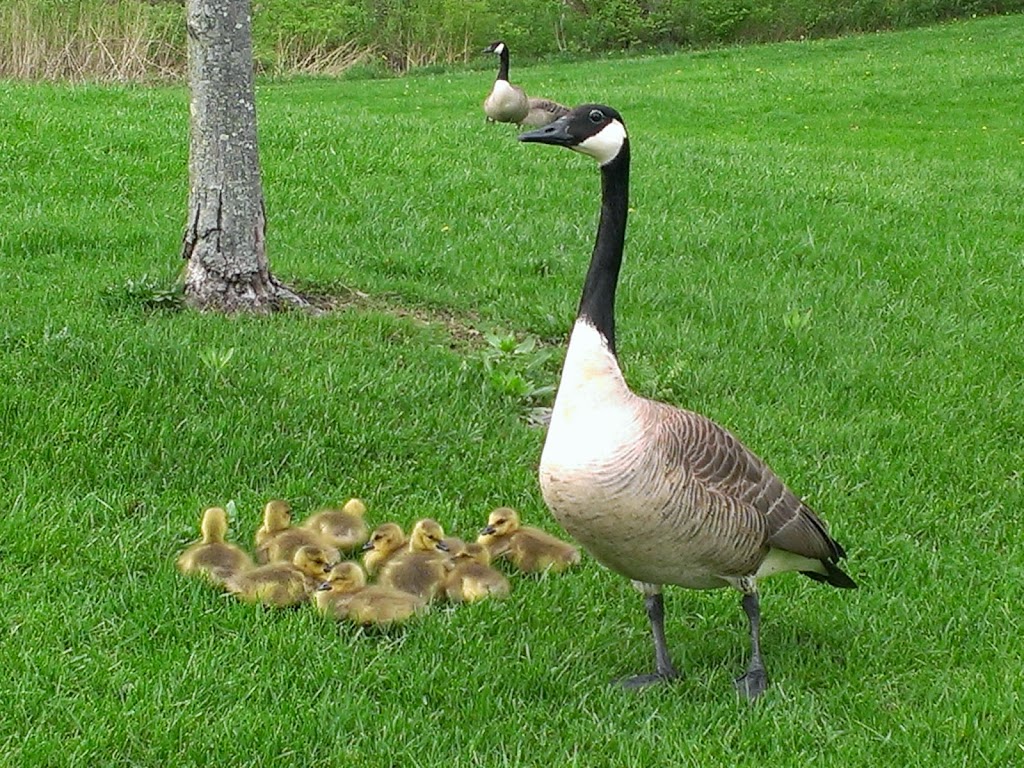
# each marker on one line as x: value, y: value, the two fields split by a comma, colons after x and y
x: 752, y: 684
x: 639, y: 682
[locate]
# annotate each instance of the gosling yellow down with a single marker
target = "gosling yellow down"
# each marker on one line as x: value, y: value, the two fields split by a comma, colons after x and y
x: 472, y: 578
x: 531, y: 550
x: 212, y: 557
x: 343, y: 528
x: 424, y: 565
x: 282, y: 585
x: 345, y: 595
x: 278, y: 541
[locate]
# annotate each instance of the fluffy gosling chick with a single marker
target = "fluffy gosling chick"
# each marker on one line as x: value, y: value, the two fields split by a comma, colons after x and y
x: 212, y: 557
x: 530, y: 549
x: 277, y: 541
x: 385, y: 542
x: 424, y: 566
x: 343, y: 528
x: 472, y: 577
x: 281, y: 585
x: 345, y: 595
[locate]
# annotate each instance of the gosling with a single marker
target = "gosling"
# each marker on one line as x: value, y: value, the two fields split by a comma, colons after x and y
x: 278, y: 541
x: 282, y: 585
x: 531, y: 550
x: 212, y: 557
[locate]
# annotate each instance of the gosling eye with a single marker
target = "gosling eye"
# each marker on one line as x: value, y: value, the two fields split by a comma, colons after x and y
x: 596, y: 115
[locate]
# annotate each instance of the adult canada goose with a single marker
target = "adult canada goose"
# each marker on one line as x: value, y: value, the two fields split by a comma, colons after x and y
x: 212, y: 557
x: 659, y: 494
x: 507, y: 103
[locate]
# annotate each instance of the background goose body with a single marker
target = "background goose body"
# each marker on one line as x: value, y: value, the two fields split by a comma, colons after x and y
x: 656, y: 493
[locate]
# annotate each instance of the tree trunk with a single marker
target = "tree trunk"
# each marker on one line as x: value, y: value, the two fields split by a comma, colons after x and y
x: 224, y: 240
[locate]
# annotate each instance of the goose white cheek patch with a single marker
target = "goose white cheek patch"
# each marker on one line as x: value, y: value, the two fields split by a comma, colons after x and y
x: 604, y: 145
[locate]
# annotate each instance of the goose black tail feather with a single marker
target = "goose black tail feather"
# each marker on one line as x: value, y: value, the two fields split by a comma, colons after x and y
x: 833, y: 575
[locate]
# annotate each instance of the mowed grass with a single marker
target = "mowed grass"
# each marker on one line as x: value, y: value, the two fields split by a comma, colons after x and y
x: 826, y: 255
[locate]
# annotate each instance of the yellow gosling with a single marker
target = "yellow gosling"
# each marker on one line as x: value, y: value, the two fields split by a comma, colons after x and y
x: 212, y: 557
x: 343, y: 528
x: 282, y: 585
x: 530, y: 549
x: 345, y: 595
x: 278, y: 541
x: 385, y: 542
x: 423, y: 567
x: 472, y: 577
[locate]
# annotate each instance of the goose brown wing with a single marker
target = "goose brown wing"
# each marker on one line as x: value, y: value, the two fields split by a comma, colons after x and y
x: 718, y: 461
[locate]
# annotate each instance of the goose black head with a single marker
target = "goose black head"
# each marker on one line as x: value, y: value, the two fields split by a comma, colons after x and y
x: 497, y: 47
x: 592, y: 129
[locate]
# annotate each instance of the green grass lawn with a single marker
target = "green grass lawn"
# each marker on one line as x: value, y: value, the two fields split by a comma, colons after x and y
x: 826, y: 255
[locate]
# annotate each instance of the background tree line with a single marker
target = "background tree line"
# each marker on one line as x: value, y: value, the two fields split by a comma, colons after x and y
x: 138, y: 39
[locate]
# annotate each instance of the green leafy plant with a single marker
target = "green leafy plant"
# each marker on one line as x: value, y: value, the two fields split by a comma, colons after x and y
x: 514, y: 369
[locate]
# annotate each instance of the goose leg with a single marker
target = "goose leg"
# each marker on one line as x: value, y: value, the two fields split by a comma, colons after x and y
x: 664, y: 669
x: 753, y: 683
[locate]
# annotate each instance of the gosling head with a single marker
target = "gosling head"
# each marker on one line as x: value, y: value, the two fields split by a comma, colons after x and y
x: 427, y: 535
x: 312, y: 561
x: 277, y: 515
x: 385, y: 539
x: 473, y: 552
x: 214, y: 525
x: 355, y: 507
x: 501, y: 522
x: 344, y: 577
x: 592, y: 129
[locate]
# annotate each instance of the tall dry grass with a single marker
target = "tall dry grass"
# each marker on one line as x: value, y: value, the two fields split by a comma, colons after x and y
x: 91, y: 40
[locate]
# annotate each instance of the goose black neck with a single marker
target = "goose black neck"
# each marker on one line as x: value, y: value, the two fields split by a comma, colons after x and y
x: 503, y: 64
x: 597, y: 304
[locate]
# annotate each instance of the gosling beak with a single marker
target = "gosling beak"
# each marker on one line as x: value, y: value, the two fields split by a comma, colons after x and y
x: 324, y: 587
x: 487, y: 531
x: 366, y: 547
x: 442, y: 546
x: 556, y: 133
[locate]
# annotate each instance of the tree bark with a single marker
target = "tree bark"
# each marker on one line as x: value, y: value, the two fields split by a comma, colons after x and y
x: 225, y: 238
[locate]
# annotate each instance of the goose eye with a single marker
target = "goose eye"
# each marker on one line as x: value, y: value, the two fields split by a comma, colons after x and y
x: 596, y: 116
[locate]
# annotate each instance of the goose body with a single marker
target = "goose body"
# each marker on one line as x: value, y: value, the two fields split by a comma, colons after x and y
x: 508, y: 103
x: 212, y: 557
x: 656, y: 493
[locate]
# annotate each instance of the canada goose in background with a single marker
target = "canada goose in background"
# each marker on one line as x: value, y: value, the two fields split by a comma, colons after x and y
x: 212, y: 556
x: 343, y: 528
x: 507, y: 103
x: 423, y: 567
x: 472, y: 577
x: 345, y: 595
x: 277, y: 541
x: 385, y: 542
x: 530, y: 549
x: 282, y: 585
x: 659, y: 494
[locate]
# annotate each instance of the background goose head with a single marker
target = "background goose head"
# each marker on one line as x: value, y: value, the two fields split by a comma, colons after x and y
x: 592, y: 129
